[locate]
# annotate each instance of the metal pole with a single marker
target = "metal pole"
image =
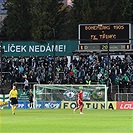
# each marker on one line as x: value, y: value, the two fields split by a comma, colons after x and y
x: 118, y: 93
x: 54, y: 51
x: 111, y: 87
x: 109, y: 95
x: 1, y: 63
x: 108, y: 63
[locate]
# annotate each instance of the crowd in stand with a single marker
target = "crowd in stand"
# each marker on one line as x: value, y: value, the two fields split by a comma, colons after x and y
x: 82, y: 70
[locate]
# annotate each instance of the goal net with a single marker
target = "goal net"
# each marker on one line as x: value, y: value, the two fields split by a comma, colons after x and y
x: 46, y: 93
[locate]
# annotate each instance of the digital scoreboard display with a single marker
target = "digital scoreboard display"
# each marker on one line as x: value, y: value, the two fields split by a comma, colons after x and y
x: 118, y: 33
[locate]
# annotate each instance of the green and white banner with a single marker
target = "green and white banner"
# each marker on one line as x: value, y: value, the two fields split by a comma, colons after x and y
x: 34, y: 48
x: 4, y: 97
x: 4, y: 100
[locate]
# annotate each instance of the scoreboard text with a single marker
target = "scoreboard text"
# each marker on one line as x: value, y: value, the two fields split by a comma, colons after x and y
x: 104, y: 33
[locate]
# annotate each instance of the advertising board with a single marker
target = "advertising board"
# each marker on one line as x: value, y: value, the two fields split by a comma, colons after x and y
x: 124, y: 105
x: 88, y: 105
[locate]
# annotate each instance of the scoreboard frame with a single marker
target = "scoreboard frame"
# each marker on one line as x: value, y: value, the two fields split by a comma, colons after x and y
x: 113, y: 33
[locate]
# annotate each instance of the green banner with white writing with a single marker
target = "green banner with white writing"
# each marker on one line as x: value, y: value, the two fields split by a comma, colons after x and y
x: 34, y: 48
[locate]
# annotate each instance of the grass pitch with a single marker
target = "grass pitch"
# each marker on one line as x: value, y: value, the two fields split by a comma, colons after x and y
x: 65, y: 121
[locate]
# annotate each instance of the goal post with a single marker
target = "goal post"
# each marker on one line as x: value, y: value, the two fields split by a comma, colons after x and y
x: 63, y: 92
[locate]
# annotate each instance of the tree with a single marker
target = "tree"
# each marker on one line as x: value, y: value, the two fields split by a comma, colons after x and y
x: 48, y: 15
x: 36, y: 19
x: 17, y: 24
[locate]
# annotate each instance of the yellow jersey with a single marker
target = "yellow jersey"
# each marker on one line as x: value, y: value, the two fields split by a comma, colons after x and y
x: 13, y: 93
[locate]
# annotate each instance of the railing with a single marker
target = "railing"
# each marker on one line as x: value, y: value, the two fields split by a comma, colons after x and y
x: 124, y: 97
x: 20, y: 85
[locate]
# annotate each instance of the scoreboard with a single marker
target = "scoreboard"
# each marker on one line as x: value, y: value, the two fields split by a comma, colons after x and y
x: 100, y: 33
x: 97, y: 36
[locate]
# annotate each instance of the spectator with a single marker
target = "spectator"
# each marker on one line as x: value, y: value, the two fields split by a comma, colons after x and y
x: 117, y: 80
x: 102, y: 80
x: 128, y: 86
x: 99, y: 76
x: 64, y: 81
x: 121, y: 86
x: 125, y: 79
x: 26, y: 85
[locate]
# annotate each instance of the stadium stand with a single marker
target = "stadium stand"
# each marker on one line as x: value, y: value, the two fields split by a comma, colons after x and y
x: 87, y: 68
